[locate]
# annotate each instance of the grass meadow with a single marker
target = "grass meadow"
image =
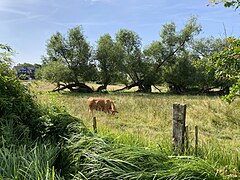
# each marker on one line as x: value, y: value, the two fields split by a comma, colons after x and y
x: 146, y: 120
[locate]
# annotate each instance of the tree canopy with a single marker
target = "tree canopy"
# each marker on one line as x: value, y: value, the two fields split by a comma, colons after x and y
x: 74, y: 61
x: 106, y: 55
x: 178, y: 59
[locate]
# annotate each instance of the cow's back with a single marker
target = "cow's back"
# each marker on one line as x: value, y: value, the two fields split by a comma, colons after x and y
x: 101, y: 104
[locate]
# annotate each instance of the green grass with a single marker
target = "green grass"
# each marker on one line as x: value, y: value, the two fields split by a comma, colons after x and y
x: 28, y: 163
x: 146, y: 120
x: 98, y: 158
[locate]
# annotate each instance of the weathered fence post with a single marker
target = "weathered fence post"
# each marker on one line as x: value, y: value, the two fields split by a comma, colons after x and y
x: 186, y: 139
x: 94, y: 125
x: 196, y: 140
x: 178, y: 131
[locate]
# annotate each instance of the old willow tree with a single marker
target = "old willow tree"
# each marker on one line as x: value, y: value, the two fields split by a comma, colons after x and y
x: 130, y: 65
x: 106, y: 56
x: 171, y: 52
x: 74, y: 53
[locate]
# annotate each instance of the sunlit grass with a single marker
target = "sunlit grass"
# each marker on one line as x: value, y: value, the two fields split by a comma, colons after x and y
x: 146, y: 119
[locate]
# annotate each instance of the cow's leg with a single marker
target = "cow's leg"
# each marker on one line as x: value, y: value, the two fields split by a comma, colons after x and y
x: 90, y: 112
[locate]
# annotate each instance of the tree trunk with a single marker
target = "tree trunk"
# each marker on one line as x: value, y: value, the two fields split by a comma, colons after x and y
x: 127, y: 87
x: 176, y: 88
x: 146, y: 88
x: 75, y: 87
x: 102, y: 88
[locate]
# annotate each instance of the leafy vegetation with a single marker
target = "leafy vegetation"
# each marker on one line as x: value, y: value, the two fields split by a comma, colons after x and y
x: 228, y: 66
x: 177, y: 59
x: 45, y: 142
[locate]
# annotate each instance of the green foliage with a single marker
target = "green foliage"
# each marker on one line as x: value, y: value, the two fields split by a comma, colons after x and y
x: 26, y: 65
x: 5, y: 60
x: 74, y: 52
x: 70, y: 59
x: 107, y: 55
x: 56, y: 123
x: 55, y: 71
x: 228, y: 66
x: 24, y: 77
x: 203, y: 49
x: 167, y: 54
x: 181, y: 74
x: 233, y: 3
x: 24, y: 125
x: 19, y: 159
x: 17, y: 103
x: 152, y: 55
x: 131, y: 63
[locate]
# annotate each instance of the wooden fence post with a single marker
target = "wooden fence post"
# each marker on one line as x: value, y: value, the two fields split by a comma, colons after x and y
x: 178, y: 130
x: 94, y: 125
x: 187, y: 139
x: 196, y: 140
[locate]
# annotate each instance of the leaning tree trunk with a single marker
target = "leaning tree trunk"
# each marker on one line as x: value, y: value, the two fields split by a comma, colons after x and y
x: 102, y: 88
x: 141, y: 87
x: 147, y: 88
x: 75, y: 87
x: 126, y: 87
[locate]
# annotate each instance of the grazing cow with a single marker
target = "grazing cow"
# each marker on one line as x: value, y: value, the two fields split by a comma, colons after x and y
x: 100, y: 104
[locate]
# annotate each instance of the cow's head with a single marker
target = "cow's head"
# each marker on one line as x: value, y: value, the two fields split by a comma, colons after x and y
x: 114, y: 112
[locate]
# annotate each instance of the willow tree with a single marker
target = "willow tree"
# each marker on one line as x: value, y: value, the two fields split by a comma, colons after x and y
x: 131, y: 64
x: 106, y: 56
x: 203, y: 49
x: 172, y: 47
x: 74, y: 52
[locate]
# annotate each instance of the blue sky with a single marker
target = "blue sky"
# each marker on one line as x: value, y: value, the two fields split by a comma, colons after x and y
x: 26, y: 25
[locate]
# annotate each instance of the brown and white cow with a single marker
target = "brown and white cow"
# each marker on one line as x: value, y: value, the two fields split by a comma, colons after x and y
x: 100, y: 104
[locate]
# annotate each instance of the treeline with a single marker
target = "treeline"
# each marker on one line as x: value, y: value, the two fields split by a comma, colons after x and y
x: 178, y: 59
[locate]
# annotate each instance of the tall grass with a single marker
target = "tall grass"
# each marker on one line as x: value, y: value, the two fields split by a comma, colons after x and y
x: 95, y: 158
x: 25, y: 163
x: 146, y: 120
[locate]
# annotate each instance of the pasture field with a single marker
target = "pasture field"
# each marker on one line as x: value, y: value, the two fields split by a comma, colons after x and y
x: 146, y: 120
